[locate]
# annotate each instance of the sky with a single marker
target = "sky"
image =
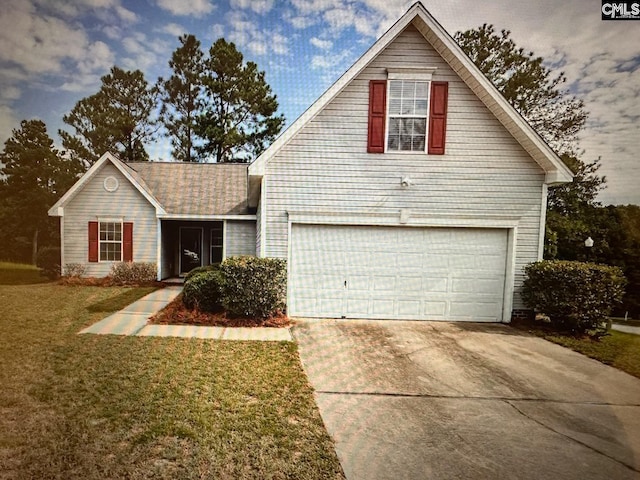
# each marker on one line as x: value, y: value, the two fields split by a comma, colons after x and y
x: 53, y: 53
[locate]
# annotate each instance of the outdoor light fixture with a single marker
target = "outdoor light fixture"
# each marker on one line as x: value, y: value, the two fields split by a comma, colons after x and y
x: 588, y: 242
x: 406, y: 182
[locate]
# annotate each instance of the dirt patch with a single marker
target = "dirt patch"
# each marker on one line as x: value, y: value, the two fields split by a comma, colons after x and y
x: 177, y: 314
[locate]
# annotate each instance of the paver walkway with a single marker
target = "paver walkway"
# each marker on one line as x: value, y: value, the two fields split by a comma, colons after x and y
x: 132, y: 320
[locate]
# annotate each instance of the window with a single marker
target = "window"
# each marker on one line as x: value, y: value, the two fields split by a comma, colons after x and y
x: 110, y: 241
x: 408, y: 107
x: 217, y: 239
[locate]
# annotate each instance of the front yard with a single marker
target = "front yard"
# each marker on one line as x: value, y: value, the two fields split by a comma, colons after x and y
x: 93, y: 407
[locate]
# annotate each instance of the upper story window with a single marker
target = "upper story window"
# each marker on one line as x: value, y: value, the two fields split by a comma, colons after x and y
x: 408, y: 112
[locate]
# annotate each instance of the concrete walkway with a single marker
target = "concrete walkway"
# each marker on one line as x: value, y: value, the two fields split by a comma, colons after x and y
x: 132, y: 320
x: 626, y: 328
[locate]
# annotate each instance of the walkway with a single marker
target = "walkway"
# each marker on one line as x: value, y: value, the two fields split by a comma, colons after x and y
x: 132, y: 320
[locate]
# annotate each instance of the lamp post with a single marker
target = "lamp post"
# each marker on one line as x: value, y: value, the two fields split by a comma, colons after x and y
x: 588, y: 243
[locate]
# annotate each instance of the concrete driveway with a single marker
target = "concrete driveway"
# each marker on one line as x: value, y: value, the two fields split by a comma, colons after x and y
x: 431, y: 400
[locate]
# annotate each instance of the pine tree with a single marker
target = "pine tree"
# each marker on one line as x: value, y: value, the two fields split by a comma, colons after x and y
x: 239, y: 118
x: 118, y: 118
x: 181, y: 98
x: 35, y: 176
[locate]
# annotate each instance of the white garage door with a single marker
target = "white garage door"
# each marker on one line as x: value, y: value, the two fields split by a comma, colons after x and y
x: 397, y: 272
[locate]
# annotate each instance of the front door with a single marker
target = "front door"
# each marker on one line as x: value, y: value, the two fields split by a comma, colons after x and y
x: 190, y: 249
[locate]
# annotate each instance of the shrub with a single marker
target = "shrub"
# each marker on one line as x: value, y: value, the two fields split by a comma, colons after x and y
x: 254, y: 287
x: 203, y: 291
x: 205, y: 268
x: 48, y: 261
x: 576, y: 296
x: 133, y: 273
x: 74, y: 270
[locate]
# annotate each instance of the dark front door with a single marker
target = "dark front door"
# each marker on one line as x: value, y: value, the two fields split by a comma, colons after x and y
x: 190, y: 249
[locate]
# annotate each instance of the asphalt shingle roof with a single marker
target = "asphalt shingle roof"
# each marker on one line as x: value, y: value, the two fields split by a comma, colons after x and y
x: 195, y: 188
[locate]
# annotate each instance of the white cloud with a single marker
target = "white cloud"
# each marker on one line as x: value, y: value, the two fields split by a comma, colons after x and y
x: 8, y: 122
x: 173, y: 29
x: 321, y: 44
x: 181, y: 7
x: 217, y: 31
x: 258, y: 6
x: 247, y: 35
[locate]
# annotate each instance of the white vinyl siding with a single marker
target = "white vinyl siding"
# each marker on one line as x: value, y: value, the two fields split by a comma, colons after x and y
x: 326, y: 168
x: 240, y: 237
x: 92, y: 203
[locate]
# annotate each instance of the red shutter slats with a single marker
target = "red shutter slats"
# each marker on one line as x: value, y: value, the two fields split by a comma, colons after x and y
x: 93, y: 241
x: 438, y: 117
x: 127, y: 242
x: 377, y: 113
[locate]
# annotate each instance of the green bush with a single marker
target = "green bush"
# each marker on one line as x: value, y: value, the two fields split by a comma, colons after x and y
x: 133, y: 273
x: 205, y: 268
x: 203, y: 291
x: 254, y: 287
x: 577, y: 297
x: 48, y: 261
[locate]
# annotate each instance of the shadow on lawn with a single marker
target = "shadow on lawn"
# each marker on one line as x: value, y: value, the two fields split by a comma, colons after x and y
x: 21, y: 276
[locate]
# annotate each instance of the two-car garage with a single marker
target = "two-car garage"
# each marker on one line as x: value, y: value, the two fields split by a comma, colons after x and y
x: 378, y: 272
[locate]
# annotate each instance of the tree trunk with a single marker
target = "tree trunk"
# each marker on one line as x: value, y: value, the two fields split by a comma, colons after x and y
x: 34, y: 247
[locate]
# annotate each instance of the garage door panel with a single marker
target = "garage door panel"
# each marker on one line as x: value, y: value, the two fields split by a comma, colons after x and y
x: 397, y: 272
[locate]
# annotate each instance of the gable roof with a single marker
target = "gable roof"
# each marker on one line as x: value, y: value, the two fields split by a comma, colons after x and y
x: 555, y: 169
x: 198, y: 189
x: 176, y: 189
x: 57, y: 210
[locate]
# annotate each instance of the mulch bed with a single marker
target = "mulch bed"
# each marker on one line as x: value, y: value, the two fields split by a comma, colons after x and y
x: 175, y: 313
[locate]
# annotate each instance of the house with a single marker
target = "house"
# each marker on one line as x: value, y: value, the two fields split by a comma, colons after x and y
x: 409, y: 190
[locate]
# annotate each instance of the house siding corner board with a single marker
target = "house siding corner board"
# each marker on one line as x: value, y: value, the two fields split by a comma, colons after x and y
x: 240, y: 237
x: 326, y: 167
x: 94, y: 202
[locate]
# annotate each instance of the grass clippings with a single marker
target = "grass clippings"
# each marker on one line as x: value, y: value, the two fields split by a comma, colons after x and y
x: 118, y: 407
x: 618, y: 349
x: 175, y: 313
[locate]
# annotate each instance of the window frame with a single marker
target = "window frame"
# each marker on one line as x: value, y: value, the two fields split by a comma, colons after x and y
x: 102, y: 221
x: 408, y: 75
x: 221, y: 246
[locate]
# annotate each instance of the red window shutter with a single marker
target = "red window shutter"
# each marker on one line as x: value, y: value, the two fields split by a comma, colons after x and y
x: 438, y: 117
x: 377, y: 113
x: 93, y: 241
x: 127, y: 242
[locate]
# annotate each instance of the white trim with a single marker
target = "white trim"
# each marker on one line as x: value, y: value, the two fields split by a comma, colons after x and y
x: 263, y: 219
x: 62, y: 262
x: 411, y: 73
x: 416, y: 219
x: 543, y: 220
x: 510, y: 275
x: 462, y: 65
x: 224, y: 241
x: 159, y: 248
x: 180, y: 273
x: 188, y: 216
x: 111, y: 220
x: 58, y: 208
x: 510, y: 255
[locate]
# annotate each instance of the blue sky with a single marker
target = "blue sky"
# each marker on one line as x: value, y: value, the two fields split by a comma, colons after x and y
x: 53, y: 53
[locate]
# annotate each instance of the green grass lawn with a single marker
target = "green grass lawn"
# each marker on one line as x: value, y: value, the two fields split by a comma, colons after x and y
x: 94, y: 407
x: 618, y: 349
